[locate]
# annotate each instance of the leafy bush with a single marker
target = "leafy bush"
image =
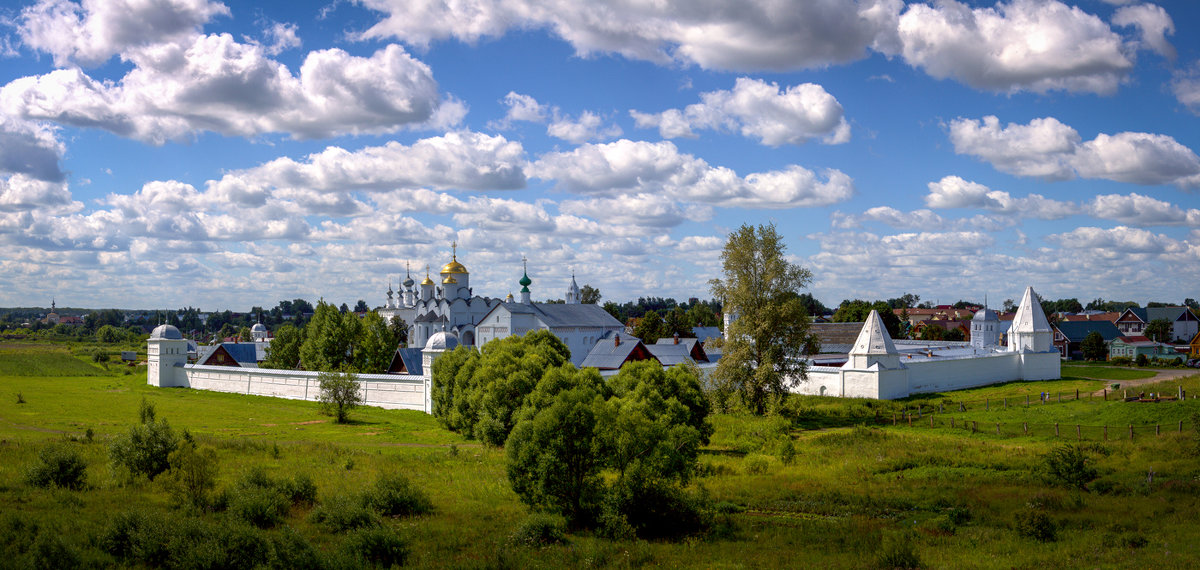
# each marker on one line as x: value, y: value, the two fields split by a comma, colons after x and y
x: 1035, y: 524
x: 380, y: 546
x: 897, y: 551
x: 1121, y: 361
x: 159, y: 540
x: 258, y: 499
x: 147, y: 448
x: 657, y: 510
x: 1142, y: 361
x: 340, y: 393
x: 300, y: 490
x: 395, y: 496
x: 341, y: 513
x: 263, y: 507
x: 49, y: 550
x: 1067, y: 465
x: 757, y: 464
x: 787, y: 451
x: 58, y: 466
x: 289, y: 549
x: 193, y: 474
x: 540, y: 529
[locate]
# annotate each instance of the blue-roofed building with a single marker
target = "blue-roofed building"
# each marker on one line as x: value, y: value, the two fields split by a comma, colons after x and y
x: 242, y: 354
x: 613, y: 350
x: 1069, y: 335
x: 406, y: 361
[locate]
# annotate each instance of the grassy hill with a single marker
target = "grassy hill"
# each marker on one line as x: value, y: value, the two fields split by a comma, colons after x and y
x: 856, y: 494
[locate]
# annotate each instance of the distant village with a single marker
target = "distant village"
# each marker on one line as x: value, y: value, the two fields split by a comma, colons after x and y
x: 608, y: 336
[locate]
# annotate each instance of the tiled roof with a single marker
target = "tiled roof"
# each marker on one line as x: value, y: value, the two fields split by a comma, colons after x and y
x: 1076, y: 331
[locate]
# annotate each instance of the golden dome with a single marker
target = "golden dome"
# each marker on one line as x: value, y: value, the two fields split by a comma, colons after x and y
x: 427, y: 281
x: 449, y: 280
x: 453, y: 267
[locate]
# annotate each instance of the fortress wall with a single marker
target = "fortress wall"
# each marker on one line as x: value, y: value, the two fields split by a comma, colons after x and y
x: 955, y: 374
x: 382, y: 390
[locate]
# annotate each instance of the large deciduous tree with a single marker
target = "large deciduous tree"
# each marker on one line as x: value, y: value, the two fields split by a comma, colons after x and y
x: 328, y: 338
x: 377, y: 346
x: 1093, y: 346
x: 284, y: 350
x: 1159, y: 330
x: 589, y: 295
x: 764, y: 353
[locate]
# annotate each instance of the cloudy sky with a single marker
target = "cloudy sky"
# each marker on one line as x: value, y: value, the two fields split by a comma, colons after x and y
x: 162, y: 153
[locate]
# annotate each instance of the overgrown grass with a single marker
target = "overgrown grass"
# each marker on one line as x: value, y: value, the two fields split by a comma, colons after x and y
x: 852, y: 496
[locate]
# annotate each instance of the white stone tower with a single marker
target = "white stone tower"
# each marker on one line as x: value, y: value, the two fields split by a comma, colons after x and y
x: 166, y: 355
x: 438, y: 343
x: 985, y: 329
x: 873, y: 346
x: 1030, y: 330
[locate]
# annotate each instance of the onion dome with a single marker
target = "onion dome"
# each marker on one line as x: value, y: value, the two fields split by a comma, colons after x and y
x: 258, y: 328
x: 454, y: 266
x: 509, y: 298
x: 525, y: 282
x: 442, y: 341
x: 449, y: 280
x: 166, y: 332
x: 427, y: 280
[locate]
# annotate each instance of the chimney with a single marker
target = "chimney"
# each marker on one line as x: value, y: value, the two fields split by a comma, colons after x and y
x: 676, y: 338
x: 616, y: 340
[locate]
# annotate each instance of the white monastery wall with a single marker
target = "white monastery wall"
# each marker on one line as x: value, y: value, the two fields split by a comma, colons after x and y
x: 383, y: 390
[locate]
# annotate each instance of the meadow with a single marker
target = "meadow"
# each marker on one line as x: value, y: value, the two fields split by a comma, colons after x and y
x: 818, y: 482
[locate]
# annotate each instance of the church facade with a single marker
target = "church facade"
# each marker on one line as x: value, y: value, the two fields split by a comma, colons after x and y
x: 474, y: 320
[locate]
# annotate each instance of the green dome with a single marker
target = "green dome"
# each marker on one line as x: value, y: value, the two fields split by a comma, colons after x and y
x: 525, y: 282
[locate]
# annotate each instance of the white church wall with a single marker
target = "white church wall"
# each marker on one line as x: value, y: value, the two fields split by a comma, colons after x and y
x: 382, y: 390
x: 940, y: 375
x: 1041, y: 366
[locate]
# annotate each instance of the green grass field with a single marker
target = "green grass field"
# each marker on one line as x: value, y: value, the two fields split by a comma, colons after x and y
x: 854, y: 496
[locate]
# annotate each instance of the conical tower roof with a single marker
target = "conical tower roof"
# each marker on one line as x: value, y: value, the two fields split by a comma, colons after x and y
x: 1030, y: 317
x: 874, y: 338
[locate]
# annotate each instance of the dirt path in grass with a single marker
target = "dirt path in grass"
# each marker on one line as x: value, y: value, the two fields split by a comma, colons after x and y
x: 1161, y: 376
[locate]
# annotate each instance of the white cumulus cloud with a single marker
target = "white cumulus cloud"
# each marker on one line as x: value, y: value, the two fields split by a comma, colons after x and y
x: 1048, y: 149
x: 759, y: 110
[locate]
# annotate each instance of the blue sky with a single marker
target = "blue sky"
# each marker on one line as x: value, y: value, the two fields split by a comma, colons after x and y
x: 162, y: 153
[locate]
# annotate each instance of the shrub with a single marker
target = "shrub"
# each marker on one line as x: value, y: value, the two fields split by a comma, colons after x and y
x: 897, y: 551
x: 157, y: 540
x: 50, y: 551
x: 395, y: 496
x: 146, y: 449
x: 263, y: 507
x: 58, y: 466
x: 540, y: 529
x: 20, y: 398
x: 340, y: 393
x: 1035, y: 524
x: 99, y: 356
x: 289, y: 549
x: 258, y: 499
x: 757, y: 464
x: 657, y: 510
x: 193, y: 474
x: 380, y: 546
x: 1142, y: 360
x: 1066, y: 465
x: 1121, y: 361
x: 787, y: 451
x: 300, y: 490
x: 341, y: 513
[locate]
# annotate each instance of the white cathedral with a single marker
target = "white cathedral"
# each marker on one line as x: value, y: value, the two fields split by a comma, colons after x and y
x: 454, y: 308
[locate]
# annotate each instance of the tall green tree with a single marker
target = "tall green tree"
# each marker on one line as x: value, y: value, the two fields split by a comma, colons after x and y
x: 1093, y: 346
x: 284, y: 350
x: 589, y: 295
x: 328, y: 340
x: 649, y: 327
x: 1158, y: 330
x: 763, y: 355
x: 377, y: 346
x: 701, y: 315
